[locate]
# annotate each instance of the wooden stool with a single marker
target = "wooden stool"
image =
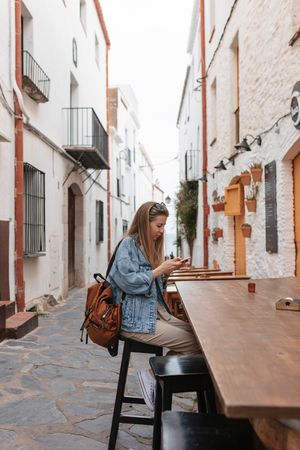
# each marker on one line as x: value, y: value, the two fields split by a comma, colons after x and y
x: 196, y: 431
x: 180, y: 373
x: 129, y: 347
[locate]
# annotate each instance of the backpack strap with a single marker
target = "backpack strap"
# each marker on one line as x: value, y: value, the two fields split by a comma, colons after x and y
x: 112, y: 259
x: 97, y: 276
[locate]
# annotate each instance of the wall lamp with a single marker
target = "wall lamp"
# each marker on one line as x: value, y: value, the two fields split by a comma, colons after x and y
x: 245, y: 146
x: 204, y: 177
x: 222, y: 166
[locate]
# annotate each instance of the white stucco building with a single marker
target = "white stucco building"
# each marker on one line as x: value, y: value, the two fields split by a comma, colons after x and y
x: 131, y: 174
x: 61, y: 149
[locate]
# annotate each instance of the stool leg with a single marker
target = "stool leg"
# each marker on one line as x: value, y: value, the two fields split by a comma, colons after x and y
x: 202, y: 405
x: 166, y: 397
x: 157, y: 418
x: 119, y: 397
x: 210, y: 400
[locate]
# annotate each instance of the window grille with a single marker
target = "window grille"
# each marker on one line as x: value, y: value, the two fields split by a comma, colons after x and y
x: 34, y: 240
x: 99, y: 221
x: 125, y: 226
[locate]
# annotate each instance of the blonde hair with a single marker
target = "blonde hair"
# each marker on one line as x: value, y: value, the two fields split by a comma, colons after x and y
x: 152, y: 249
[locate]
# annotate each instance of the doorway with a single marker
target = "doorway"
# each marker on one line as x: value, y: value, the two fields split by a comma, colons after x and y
x: 239, y: 246
x: 297, y: 211
x: 71, y: 238
x: 76, y: 263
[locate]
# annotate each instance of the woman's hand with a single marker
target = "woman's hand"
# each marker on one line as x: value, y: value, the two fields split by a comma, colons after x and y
x: 167, y: 267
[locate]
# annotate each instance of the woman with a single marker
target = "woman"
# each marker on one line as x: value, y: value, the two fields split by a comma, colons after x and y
x: 137, y: 281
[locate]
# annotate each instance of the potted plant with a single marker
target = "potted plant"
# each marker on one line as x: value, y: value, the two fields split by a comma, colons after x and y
x: 251, y: 197
x: 245, y: 177
x: 207, y: 232
x: 246, y: 230
x: 256, y: 171
x: 216, y: 234
x: 218, y: 201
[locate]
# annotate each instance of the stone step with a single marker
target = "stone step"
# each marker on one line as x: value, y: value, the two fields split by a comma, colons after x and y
x: 2, y: 322
x: 20, y: 324
x: 10, y: 307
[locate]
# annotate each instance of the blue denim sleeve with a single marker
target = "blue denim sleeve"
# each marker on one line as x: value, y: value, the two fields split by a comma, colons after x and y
x: 128, y: 274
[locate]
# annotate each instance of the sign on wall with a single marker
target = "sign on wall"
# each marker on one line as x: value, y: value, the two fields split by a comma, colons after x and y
x: 271, y: 208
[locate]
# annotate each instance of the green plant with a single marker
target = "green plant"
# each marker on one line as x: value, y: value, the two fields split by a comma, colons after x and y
x: 255, y: 165
x: 186, y: 208
x: 252, y: 191
x: 217, y: 198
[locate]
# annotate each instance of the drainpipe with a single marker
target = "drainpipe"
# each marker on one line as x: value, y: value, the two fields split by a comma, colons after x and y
x: 204, y: 133
x: 19, y: 267
x: 108, y: 160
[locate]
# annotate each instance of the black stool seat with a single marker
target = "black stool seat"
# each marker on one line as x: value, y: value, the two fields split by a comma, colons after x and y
x: 130, y: 346
x: 180, y: 373
x: 178, y: 365
x: 196, y: 431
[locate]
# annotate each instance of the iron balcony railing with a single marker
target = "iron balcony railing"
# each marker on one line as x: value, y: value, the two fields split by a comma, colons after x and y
x: 35, y: 82
x: 85, y: 139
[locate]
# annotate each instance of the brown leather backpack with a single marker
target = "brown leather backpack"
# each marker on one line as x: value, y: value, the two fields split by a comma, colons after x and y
x: 102, y: 317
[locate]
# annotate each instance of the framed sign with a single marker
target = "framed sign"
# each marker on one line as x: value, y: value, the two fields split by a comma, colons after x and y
x: 271, y: 208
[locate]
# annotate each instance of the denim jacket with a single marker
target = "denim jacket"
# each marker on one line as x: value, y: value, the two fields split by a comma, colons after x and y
x: 131, y: 274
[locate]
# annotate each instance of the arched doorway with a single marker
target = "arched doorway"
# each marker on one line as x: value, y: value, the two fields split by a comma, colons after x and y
x: 75, y: 237
x: 297, y: 211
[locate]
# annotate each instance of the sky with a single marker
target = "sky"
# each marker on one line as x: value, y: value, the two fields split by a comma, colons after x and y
x: 148, y: 51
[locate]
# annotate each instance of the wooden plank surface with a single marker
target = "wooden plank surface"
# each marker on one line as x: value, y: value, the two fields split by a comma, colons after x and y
x: 252, y: 349
x: 195, y: 269
x: 200, y: 274
x: 206, y: 278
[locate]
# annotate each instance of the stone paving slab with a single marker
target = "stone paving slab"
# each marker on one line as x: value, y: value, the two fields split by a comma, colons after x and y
x: 58, y: 393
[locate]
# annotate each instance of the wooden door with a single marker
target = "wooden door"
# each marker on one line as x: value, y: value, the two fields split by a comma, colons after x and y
x: 297, y: 211
x: 71, y: 238
x: 239, y: 246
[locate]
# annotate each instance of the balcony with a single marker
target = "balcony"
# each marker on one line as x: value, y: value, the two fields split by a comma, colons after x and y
x: 35, y: 82
x: 85, y: 138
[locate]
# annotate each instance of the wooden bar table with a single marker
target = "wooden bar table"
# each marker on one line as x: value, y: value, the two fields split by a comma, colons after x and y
x: 195, y: 269
x: 205, y: 277
x: 252, y: 350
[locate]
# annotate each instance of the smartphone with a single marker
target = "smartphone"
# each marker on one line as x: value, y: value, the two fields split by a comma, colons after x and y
x: 185, y: 260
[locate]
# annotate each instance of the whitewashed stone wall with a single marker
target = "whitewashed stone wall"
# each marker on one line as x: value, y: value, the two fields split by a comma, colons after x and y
x: 268, y: 72
x: 7, y: 136
x: 48, y: 37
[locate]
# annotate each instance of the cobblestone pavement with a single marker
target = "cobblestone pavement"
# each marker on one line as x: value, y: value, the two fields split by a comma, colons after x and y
x: 58, y: 393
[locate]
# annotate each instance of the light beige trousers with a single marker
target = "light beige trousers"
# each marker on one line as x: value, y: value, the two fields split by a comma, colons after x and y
x: 170, y: 332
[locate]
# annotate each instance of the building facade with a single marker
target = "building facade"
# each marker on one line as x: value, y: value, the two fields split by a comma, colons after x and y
x: 131, y: 173
x: 250, y: 82
x: 57, y: 68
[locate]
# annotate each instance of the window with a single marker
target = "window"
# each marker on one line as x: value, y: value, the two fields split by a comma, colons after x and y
x: 99, y: 222
x: 134, y: 143
x: 118, y: 166
x: 83, y: 14
x: 97, y: 51
x: 34, y: 240
x: 125, y: 226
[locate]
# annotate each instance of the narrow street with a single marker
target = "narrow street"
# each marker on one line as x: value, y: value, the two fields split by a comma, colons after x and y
x: 58, y: 393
